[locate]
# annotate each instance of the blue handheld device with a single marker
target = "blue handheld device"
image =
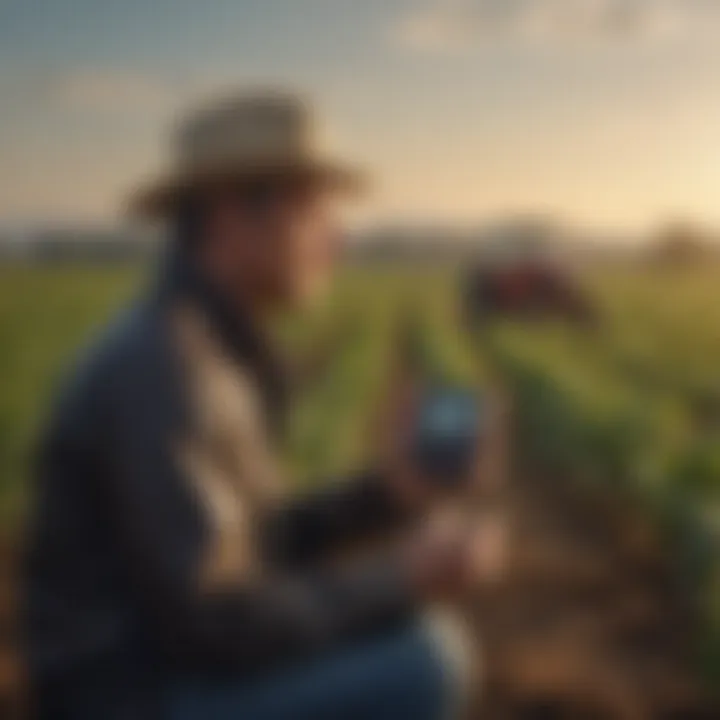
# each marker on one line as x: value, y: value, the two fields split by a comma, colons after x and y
x: 447, y: 434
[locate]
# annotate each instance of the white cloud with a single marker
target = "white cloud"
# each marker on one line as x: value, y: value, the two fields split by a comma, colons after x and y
x: 461, y: 24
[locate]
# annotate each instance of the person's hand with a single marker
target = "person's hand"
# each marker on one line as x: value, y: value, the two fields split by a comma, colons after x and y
x: 392, y: 439
x: 488, y: 549
x: 437, y: 562
x: 406, y: 478
x: 446, y: 559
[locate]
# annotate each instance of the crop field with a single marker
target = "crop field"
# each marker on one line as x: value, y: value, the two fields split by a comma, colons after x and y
x: 634, y: 407
x: 631, y: 407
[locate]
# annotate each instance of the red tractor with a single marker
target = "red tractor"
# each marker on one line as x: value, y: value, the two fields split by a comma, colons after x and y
x: 526, y: 289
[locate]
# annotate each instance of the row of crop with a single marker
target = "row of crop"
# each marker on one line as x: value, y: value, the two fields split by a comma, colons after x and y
x: 662, y: 332
x: 581, y: 418
x: 334, y: 421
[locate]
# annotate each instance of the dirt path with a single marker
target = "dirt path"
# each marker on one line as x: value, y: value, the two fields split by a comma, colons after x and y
x: 587, y: 624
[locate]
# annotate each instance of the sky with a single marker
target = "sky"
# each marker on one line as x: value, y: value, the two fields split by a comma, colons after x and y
x: 601, y: 112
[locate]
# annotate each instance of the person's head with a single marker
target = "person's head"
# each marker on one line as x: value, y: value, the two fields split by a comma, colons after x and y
x: 255, y: 200
x: 274, y: 240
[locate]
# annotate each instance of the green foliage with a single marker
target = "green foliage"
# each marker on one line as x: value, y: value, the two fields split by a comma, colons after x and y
x: 635, y: 406
x: 45, y: 316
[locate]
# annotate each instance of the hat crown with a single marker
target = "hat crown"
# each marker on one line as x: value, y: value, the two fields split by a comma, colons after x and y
x: 264, y: 135
x: 249, y: 128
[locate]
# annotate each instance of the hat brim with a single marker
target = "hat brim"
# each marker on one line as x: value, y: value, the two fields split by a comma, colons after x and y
x: 161, y: 197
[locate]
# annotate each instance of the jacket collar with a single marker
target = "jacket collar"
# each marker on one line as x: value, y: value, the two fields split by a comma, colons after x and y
x: 244, y: 340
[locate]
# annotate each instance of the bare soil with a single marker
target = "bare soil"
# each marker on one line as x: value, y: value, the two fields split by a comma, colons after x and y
x: 588, y: 624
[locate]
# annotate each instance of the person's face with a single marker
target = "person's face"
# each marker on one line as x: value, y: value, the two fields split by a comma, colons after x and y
x: 278, y: 242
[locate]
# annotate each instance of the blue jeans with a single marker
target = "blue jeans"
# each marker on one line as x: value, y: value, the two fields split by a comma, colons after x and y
x: 398, y: 677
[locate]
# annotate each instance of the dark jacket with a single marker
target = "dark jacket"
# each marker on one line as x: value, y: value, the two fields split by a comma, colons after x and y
x: 119, y: 533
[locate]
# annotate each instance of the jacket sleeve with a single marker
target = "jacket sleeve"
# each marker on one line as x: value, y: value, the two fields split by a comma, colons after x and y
x: 161, y: 532
x: 334, y: 516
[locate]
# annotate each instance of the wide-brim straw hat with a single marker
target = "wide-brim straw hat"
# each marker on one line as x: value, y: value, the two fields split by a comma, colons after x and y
x: 247, y: 137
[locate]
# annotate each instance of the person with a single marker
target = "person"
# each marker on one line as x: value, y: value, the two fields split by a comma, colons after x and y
x: 169, y: 575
